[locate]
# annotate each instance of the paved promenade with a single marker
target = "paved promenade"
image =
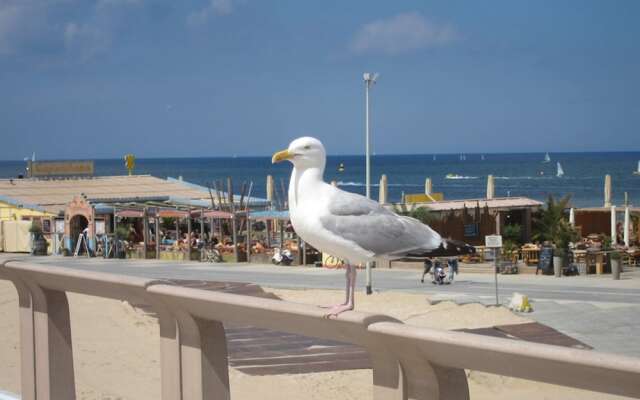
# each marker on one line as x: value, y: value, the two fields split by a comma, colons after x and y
x: 595, y: 309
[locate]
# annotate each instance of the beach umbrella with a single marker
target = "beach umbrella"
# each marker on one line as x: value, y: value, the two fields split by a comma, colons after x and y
x: 383, y: 190
x: 428, y: 188
x: 613, y: 225
x: 626, y: 226
x: 572, y: 217
x: 491, y: 188
x: 607, y: 190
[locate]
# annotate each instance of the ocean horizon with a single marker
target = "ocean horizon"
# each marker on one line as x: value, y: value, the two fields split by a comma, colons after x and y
x: 457, y: 176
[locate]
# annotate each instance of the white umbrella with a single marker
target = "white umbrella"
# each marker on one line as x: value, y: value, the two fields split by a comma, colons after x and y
x: 626, y: 226
x: 614, y: 239
x: 572, y: 217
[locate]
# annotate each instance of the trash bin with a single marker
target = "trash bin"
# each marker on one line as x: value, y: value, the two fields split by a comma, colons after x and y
x: 557, y: 266
x: 615, y: 269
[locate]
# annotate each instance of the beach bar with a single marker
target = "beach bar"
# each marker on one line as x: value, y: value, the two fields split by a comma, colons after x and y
x: 470, y: 220
x: 96, y: 210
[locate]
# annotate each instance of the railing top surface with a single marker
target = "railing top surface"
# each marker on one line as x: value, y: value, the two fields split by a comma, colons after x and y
x: 85, y: 282
x: 494, y: 345
x: 591, y: 370
x: 272, y: 314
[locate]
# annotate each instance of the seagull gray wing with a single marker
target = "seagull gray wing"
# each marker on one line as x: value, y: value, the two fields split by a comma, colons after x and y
x: 374, y: 228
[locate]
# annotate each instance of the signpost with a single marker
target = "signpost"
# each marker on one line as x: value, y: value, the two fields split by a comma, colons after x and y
x: 494, y: 242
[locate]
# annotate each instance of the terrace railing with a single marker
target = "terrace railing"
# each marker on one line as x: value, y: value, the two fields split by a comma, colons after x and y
x: 408, y: 362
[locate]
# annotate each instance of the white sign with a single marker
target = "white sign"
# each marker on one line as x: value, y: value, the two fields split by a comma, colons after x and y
x: 100, y: 227
x: 493, y: 241
x: 59, y: 226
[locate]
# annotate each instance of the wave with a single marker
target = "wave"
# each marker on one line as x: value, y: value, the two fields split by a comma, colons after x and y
x: 454, y: 176
x: 525, y: 177
x: 361, y: 184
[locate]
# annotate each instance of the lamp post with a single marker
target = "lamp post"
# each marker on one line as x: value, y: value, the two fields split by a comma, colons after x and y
x: 369, y: 80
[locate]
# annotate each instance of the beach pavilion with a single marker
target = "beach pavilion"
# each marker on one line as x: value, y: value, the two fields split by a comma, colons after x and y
x: 96, y: 203
x: 470, y: 220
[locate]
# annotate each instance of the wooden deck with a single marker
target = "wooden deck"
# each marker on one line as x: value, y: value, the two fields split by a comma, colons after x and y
x: 256, y: 351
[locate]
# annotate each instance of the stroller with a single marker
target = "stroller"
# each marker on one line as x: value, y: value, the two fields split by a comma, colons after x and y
x: 440, y: 276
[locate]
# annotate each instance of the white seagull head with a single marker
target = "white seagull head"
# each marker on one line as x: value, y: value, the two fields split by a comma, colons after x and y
x: 305, y: 152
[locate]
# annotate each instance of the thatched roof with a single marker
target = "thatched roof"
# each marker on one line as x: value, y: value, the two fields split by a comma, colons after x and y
x: 53, y: 194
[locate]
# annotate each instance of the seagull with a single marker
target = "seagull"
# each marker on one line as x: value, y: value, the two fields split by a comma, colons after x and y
x: 350, y: 226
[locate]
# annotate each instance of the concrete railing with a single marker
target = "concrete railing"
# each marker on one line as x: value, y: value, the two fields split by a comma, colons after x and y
x: 408, y: 362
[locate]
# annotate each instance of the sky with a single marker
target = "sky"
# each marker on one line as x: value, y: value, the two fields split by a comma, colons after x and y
x: 83, y: 79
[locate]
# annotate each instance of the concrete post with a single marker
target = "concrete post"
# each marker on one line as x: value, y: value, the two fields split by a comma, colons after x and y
x: 614, y: 236
x: 607, y: 190
x: 491, y: 189
x: 428, y: 187
x: 627, y: 224
x: 270, y: 188
x: 572, y: 217
x: 157, y: 221
x: 145, y: 232
x: 383, y: 194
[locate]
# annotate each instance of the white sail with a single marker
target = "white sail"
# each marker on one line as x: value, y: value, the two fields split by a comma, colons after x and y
x: 560, y: 172
x: 547, y: 158
x: 638, y: 171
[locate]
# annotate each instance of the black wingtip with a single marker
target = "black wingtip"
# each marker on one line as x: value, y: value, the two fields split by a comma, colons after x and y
x: 448, y: 248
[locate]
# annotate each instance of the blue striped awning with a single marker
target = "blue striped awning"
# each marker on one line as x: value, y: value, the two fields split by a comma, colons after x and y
x: 269, y: 215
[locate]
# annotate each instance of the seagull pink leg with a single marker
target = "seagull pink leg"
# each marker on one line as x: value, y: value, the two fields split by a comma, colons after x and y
x: 350, y: 298
x: 347, y: 279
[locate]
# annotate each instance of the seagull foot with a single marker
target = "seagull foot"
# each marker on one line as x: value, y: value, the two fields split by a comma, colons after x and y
x: 338, y: 309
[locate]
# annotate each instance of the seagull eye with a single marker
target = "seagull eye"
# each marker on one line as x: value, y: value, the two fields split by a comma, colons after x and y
x: 307, y: 147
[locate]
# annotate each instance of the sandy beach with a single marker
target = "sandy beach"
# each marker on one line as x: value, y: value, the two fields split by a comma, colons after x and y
x: 116, y: 351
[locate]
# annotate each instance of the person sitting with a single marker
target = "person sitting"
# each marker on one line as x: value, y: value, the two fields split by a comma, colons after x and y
x: 258, y: 247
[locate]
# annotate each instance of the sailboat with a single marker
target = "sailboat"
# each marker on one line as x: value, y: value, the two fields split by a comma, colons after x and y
x: 547, y: 158
x: 637, y: 172
x: 434, y: 157
x: 560, y: 172
x: 482, y: 157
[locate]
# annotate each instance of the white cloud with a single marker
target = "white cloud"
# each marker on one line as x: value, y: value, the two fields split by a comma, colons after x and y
x: 213, y: 8
x: 37, y: 24
x: 86, y: 40
x: 9, y: 16
x: 400, y: 34
x: 20, y: 22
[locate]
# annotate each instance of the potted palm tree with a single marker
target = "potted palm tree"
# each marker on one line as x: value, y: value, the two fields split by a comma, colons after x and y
x: 38, y: 242
x: 550, y: 224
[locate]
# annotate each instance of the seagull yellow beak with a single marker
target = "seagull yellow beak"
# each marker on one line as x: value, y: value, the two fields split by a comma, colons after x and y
x: 281, y: 156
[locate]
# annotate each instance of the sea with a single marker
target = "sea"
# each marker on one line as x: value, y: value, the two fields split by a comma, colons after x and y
x: 457, y: 176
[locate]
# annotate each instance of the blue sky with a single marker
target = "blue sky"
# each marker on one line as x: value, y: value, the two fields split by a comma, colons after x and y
x: 164, y: 78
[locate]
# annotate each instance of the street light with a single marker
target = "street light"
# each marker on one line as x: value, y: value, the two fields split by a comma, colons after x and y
x: 369, y: 80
